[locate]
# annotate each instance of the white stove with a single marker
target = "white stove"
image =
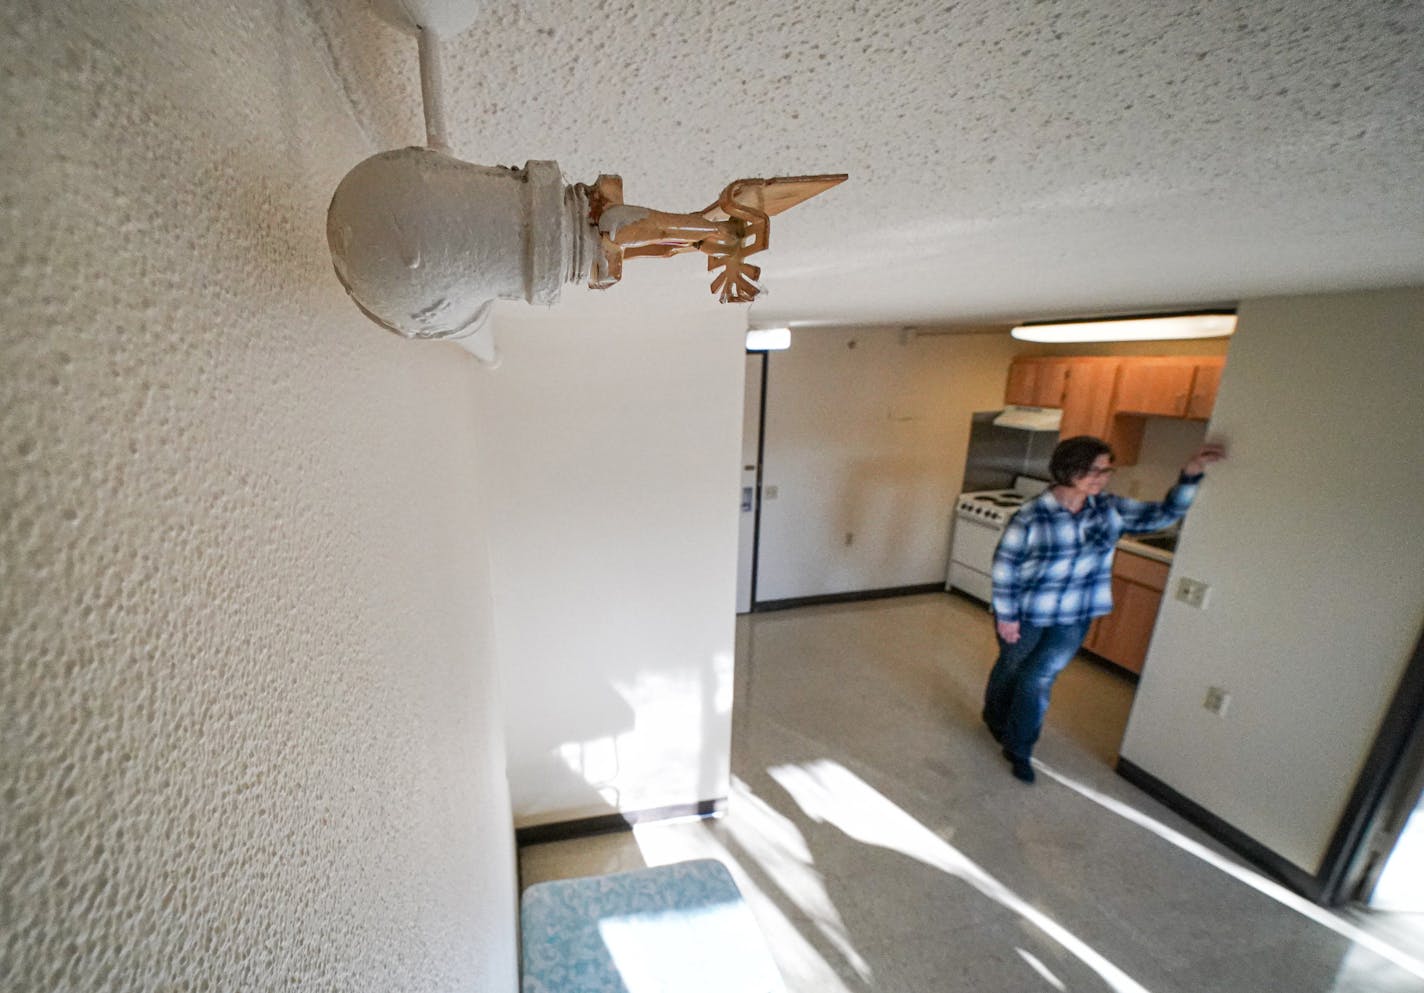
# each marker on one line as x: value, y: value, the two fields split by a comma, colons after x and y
x: 991, y: 506
x: 979, y: 519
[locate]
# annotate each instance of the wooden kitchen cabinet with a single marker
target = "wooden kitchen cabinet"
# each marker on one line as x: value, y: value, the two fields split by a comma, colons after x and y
x: 1160, y: 386
x: 1123, y: 636
x: 1166, y: 387
x: 1037, y: 382
x: 1112, y: 397
x: 1205, y: 383
x: 1087, y: 397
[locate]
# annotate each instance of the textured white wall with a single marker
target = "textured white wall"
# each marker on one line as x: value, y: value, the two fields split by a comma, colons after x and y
x: 1311, y: 537
x: 249, y: 733
x: 614, y: 434
x: 869, y: 438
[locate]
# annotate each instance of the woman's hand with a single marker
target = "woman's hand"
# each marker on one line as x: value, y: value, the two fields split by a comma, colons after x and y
x: 1212, y: 451
x: 1008, y: 630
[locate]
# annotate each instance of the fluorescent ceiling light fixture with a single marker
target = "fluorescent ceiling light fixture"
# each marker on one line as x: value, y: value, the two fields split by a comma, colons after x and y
x: 1130, y: 329
x: 768, y: 339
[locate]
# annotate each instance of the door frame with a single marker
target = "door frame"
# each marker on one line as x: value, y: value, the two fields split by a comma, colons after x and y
x: 757, y: 482
x: 1385, y: 793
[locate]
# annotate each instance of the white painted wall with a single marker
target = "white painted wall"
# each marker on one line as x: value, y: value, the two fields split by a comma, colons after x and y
x: 1311, y: 537
x: 249, y: 730
x: 866, y: 433
x: 614, y: 440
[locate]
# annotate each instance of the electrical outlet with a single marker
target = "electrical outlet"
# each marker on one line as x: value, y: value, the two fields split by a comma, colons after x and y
x: 1217, y: 700
x: 1193, y: 592
x: 850, y: 538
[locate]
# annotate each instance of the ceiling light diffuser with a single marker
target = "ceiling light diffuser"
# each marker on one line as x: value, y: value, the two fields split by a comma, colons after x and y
x: 1177, y: 326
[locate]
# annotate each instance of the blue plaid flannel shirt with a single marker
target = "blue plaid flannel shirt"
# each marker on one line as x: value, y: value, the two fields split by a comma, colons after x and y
x: 1055, y: 567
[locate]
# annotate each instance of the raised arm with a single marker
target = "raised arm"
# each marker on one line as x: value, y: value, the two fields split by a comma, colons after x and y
x: 1139, y: 517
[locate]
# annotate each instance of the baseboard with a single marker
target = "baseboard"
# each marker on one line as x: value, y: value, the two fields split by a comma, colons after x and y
x: 966, y: 595
x: 1110, y: 665
x: 588, y: 827
x: 1283, y: 870
x: 851, y: 597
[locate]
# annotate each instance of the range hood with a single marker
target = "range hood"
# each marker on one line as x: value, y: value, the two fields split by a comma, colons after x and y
x: 1030, y: 418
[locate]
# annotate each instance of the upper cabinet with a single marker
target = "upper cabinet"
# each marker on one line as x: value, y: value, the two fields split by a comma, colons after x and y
x: 1160, y: 386
x: 1087, y: 398
x: 1204, y: 386
x: 1168, y: 387
x: 1037, y: 382
x: 1111, y: 397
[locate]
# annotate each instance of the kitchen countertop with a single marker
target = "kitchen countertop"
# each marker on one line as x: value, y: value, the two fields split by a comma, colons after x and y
x: 1134, y: 547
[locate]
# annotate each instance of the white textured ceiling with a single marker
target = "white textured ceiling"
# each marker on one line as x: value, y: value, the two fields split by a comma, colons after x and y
x: 1008, y: 159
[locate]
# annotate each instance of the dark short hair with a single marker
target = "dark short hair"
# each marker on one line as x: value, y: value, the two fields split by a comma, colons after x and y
x: 1073, y: 458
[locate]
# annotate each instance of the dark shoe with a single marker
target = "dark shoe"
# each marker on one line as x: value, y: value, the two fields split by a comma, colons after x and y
x: 1023, y: 768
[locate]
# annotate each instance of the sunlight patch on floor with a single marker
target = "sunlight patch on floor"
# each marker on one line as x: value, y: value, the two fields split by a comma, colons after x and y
x: 830, y: 793
x: 781, y: 856
x: 1043, y: 970
x: 1251, y: 878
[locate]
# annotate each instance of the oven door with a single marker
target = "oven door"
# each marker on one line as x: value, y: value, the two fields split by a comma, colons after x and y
x: 971, y: 556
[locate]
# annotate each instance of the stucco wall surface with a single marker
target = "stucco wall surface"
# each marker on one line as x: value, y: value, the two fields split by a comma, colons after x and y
x: 249, y: 736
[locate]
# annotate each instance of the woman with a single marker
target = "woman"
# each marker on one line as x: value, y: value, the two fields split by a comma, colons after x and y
x: 1053, y: 575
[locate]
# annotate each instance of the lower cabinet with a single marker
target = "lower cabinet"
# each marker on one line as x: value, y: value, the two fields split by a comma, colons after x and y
x: 1122, y: 637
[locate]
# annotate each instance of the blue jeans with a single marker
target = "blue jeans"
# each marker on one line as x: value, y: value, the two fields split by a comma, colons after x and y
x: 1016, y: 698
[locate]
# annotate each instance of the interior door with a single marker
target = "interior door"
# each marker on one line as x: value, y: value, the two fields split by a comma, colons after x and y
x: 751, y: 481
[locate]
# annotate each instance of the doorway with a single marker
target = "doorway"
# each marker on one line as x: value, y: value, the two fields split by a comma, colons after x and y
x: 1397, y: 888
x: 753, y: 404
x: 1377, y: 854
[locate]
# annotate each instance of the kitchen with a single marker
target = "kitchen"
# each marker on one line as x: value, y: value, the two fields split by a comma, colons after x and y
x: 1122, y: 399
x: 870, y: 435
x: 866, y: 444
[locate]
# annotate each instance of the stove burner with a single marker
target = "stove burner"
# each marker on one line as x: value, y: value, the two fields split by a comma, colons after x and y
x: 1002, y: 499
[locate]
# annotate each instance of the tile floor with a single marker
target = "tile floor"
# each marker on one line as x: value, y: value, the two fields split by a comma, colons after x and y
x: 883, y: 845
